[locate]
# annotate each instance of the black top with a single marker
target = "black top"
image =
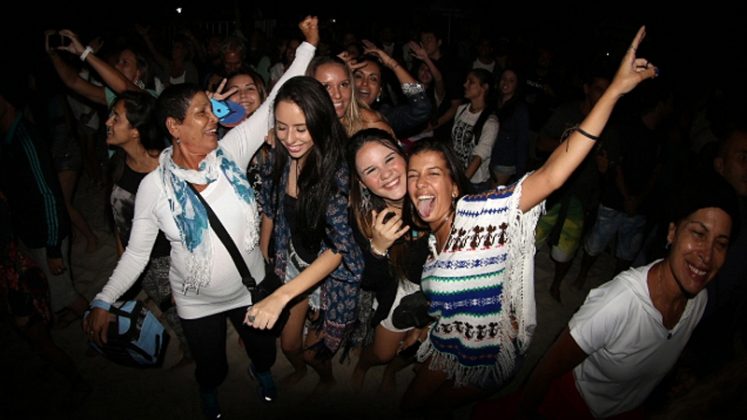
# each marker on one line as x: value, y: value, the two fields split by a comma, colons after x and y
x: 379, y: 276
x: 306, y: 253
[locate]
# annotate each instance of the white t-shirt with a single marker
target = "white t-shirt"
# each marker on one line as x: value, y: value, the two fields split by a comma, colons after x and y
x: 463, y: 142
x: 152, y: 213
x: 629, y: 348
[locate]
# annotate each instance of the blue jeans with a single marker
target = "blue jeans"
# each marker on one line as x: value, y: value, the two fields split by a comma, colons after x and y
x: 610, y: 223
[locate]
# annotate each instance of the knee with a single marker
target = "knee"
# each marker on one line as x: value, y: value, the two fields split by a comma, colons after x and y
x: 291, y: 348
x: 210, y: 377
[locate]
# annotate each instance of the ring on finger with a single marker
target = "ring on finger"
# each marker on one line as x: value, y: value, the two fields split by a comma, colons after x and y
x: 250, y: 318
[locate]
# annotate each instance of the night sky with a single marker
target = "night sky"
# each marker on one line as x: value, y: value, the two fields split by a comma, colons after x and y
x: 699, y: 49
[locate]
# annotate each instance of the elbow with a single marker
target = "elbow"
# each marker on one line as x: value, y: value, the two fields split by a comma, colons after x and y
x: 549, y: 181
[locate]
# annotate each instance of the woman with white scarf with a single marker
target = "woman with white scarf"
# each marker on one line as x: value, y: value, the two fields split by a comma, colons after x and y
x: 205, y: 281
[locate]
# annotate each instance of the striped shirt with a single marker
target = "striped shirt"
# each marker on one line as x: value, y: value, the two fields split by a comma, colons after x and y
x: 481, y: 289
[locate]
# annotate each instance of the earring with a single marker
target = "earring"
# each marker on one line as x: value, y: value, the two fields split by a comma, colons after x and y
x: 177, y: 141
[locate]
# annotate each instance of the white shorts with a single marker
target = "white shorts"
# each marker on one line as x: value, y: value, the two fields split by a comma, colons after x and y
x: 404, y: 287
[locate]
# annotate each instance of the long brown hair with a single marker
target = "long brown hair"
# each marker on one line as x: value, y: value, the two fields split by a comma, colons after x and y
x: 364, y: 208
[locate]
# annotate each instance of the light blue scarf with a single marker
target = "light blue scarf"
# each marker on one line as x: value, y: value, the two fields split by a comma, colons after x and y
x: 190, y: 215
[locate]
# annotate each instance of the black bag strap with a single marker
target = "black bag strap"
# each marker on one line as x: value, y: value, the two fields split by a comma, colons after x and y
x: 132, y: 316
x: 246, y: 276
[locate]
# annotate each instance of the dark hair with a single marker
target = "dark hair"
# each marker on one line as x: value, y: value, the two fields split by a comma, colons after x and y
x: 317, y: 180
x: 706, y: 192
x: 508, y: 108
x: 452, y: 162
x: 730, y: 134
x: 140, y: 112
x: 485, y: 78
x: 174, y: 102
x: 258, y: 80
x: 361, y: 212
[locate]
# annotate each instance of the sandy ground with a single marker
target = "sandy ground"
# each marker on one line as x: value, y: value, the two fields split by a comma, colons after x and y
x: 32, y: 389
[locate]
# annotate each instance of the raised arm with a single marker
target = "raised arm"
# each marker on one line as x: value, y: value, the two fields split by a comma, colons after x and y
x: 69, y: 75
x: 402, y: 74
x: 408, y: 116
x: 566, y: 158
x: 438, y: 79
x: 110, y: 75
x: 246, y: 138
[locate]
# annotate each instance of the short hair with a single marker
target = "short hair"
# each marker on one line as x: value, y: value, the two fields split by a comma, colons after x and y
x: 174, y: 102
x: 706, y: 192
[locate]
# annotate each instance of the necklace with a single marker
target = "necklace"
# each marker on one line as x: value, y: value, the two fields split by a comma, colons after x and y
x: 661, y: 286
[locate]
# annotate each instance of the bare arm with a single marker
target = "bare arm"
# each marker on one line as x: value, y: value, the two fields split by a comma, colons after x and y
x: 472, y: 167
x: 110, y: 75
x: 438, y: 79
x: 562, y: 356
x: 70, y: 77
x: 265, y: 235
x: 402, y: 74
x: 264, y: 314
x: 566, y: 158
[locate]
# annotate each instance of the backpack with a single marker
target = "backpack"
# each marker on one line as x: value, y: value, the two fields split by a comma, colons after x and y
x: 136, y: 337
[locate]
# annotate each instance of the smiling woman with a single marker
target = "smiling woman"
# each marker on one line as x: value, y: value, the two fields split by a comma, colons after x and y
x: 305, y: 201
x: 205, y: 281
x: 479, y: 274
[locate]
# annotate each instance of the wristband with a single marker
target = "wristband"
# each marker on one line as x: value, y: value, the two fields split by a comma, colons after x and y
x: 85, y: 53
x: 98, y: 303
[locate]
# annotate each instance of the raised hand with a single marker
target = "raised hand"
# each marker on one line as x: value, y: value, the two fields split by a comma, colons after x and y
x: 310, y: 28
x: 219, y: 95
x: 386, y: 228
x: 350, y: 62
x: 74, y: 46
x: 371, y: 48
x: 633, y: 70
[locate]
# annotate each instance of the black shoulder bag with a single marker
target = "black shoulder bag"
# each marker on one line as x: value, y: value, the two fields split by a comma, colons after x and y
x: 259, y: 291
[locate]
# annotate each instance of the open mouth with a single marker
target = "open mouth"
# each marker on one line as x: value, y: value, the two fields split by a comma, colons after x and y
x: 425, y: 205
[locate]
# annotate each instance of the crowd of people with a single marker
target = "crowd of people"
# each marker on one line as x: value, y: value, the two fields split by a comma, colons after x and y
x: 398, y: 200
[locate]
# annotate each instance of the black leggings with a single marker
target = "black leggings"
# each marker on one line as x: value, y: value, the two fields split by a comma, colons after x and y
x: 207, y: 341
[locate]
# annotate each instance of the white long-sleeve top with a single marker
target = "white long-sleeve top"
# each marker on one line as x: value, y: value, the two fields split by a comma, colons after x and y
x: 152, y: 213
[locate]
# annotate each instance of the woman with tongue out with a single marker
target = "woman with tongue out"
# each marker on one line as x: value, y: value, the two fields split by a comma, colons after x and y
x: 479, y: 276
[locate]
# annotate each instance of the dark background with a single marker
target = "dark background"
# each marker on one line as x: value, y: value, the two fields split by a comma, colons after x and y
x: 699, y: 49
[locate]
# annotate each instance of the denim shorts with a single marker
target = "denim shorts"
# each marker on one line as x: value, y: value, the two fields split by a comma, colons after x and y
x: 611, y: 223
x: 294, y: 267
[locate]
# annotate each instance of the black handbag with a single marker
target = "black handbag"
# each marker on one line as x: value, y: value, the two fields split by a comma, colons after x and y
x: 267, y: 286
x: 412, y: 311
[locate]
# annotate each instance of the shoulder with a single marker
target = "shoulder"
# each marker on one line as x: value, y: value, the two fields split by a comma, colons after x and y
x: 614, y: 298
x: 151, y: 185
